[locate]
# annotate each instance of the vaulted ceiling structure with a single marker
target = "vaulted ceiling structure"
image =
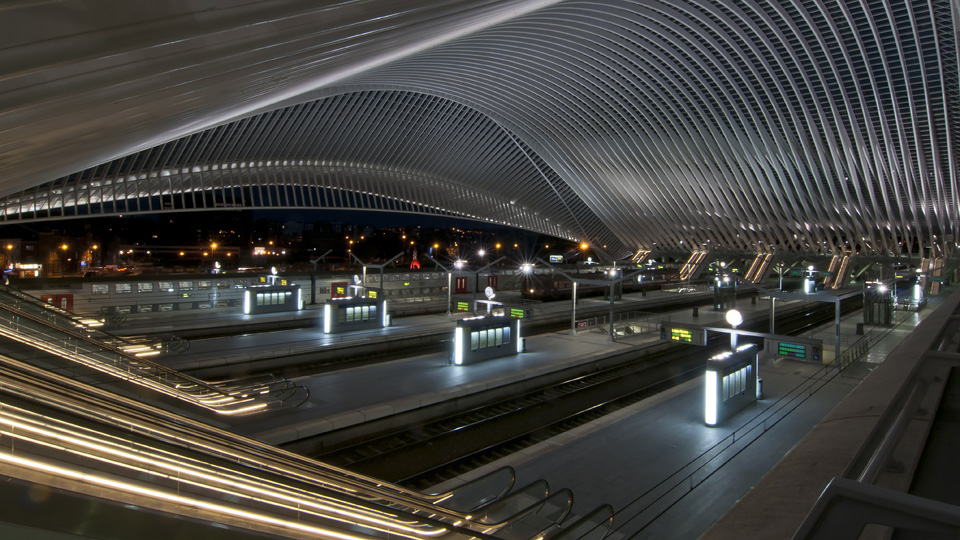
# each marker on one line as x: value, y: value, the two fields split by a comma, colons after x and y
x: 790, y: 125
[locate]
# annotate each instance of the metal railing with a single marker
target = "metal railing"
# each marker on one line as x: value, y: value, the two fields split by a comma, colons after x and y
x: 650, y: 505
x: 848, y: 506
x: 50, y: 331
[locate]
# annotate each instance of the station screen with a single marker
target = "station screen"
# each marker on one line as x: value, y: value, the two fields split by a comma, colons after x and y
x: 338, y: 289
x: 516, y: 313
x: 691, y: 336
x: 681, y: 334
x: 794, y: 350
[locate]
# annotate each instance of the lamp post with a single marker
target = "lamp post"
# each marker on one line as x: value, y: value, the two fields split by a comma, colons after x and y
x: 313, y: 276
x: 458, y: 264
x: 735, y: 319
x: 613, y: 274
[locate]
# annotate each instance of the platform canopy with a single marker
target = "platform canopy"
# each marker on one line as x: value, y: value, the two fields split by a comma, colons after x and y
x: 749, y: 125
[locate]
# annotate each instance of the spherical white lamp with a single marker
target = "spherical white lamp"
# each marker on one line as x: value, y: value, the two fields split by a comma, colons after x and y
x: 734, y: 318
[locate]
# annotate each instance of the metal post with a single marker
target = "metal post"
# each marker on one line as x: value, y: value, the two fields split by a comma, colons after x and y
x: 836, y: 335
x: 573, y: 318
x: 773, y: 312
x: 363, y: 280
x: 612, y: 337
x: 313, y: 276
x: 449, y: 279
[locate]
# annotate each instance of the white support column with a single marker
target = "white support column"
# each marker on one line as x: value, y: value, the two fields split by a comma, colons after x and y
x: 573, y: 316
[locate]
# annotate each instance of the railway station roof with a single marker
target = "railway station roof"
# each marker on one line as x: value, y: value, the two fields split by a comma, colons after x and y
x: 749, y: 125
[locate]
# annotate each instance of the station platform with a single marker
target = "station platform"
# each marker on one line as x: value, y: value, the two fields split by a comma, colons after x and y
x: 351, y: 396
x: 624, y: 459
x: 665, y: 472
x: 309, y: 339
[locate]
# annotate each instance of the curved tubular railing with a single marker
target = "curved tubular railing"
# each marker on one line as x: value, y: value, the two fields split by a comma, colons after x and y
x: 478, y: 492
x: 98, y: 405
x: 107, y: 462
x: 537, y: 520
x: 595, y: 525
x: 65, y: 341
x: 846, y: 507
x: 514, y: 504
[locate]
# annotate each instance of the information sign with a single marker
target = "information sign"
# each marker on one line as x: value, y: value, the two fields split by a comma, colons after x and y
x: 691, y: 336
x: 794, y: 350
x: 463, y: 306
x: 516, y: 313
x: 681, y: 334
x: 556, y: 258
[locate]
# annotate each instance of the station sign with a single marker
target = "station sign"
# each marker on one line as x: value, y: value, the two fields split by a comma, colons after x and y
x: 802, y: 349
x: 463, y: 306
x: 793, y: 350
x: 517, y: 313
x: 556, y: 258
x: 371, y: 293
x: 338, y: 289
x: 688, y: 335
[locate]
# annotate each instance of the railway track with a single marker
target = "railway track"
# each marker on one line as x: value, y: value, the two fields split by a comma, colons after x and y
x: 316, y: 362
x: 425, y: 454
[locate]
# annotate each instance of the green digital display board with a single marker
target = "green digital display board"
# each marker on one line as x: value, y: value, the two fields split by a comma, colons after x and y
x: 516, y: 313
x: 690, y: 336
x: 794, y: 350
x: 463, y: 306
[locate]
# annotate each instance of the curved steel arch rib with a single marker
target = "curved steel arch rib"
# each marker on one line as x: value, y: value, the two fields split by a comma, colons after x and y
x: 751, y: 125
x: 387, y: 150
x: 748, y: 125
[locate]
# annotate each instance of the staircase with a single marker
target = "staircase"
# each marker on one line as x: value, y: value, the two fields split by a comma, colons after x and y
x: 936, y: 276
x: 76, y: 346
x: 758, y: 267
x: 692, y: 265
x: 107, y: 456
x: 840, y: 277
x: 640, y: 256
x: 831, y: 271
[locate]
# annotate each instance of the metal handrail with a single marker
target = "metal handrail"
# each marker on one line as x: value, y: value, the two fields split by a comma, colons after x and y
x: 65, y: 343
x: 846, y: 507
x: 99, y: 405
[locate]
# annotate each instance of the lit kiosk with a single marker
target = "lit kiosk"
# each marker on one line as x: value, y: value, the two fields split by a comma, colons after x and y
x: 272, y: 294
x: 482, y: 338
x: 362, y: 310
x: 879, y: 303
x: 724, y: 293
x: 731, y: 383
